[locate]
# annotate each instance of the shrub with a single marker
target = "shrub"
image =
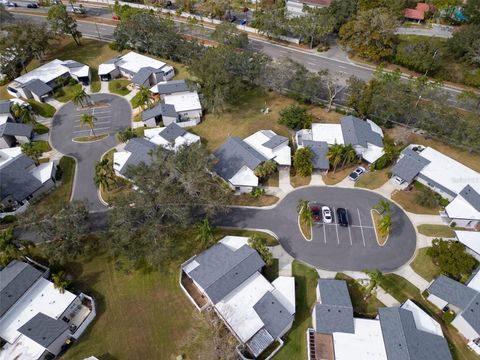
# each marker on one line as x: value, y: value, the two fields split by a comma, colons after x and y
x: 448, y: 317
x: 452, y: 258
x: 72, y: 81
x: 443, y: 202
x: 266, y: 169
x: 295, y: 117
x: 125, y: 135
x: 302, y: 161
x: 8, y: 219
x: 382, y: 163
x: 427, y: 198
x: 257, y: 192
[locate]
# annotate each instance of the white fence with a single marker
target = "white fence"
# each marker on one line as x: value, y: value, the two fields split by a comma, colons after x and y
x: 88, y: 320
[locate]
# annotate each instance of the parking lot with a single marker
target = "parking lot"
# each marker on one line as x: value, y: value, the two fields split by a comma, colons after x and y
x: 102, y: 125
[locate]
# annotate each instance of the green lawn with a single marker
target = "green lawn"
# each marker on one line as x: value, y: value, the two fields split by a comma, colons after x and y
x: 364, y: 308
x: 40, y: 128
x: 424, y: 266
x: 373, y: 179
x: 42, y: 109
x: 119, y: 86
x: 41, y: 145
x: 295, y: 346
x: 95, y: 84
x: 407, y: 199
x: 136, y: 101
x: 441, y: 231
x: 65, y: 94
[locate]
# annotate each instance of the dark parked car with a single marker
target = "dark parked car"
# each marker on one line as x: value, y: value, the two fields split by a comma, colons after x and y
x: 316, y: 212
x: 342, y: 216
x: 32, y: 5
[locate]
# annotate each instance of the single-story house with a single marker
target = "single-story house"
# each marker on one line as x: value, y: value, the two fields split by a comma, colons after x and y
x: 296, y: 7
x: 170, y: 87
x: 5, y: 111
x: 446, y: 176
x: 366, y: 137
x: 187, y: 105
x: 405, y: 332
x: 20, y: 179
x: 136, y: 151
x: 160, y: 113
x: 236, y: 164
x: 140, y: 69
x: 36, y: 319
x: 40, y: 82
x: 417, y: 14
x: 471, y: 239
x: 227, y: 277
x: 464, y: 301
x: 272, y: 146
x: 171, y: 137
x: 12, y: 133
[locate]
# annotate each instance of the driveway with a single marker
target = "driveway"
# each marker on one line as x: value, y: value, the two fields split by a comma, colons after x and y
x: 333, y: 247
x: 113, y: 113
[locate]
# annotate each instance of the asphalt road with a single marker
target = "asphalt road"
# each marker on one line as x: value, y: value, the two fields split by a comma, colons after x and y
x: 113, y: 113
x: 332, y: 247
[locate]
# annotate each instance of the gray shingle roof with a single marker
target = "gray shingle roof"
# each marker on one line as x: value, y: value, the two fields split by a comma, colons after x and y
x: 112, y: 60
x: 335, y: 312
x: 319, y: 151
x: 37, y: 87
x: 221, y: 270
x: 71, y: 64
x: 16, y: 179
x: 472, y: 197
x: 4, y: 106
x: 171, y: 87
x: 275, y: 141
x: 159, y: 109
x: 403, y: 341
x: 172, y: 131
x: 43, y: 329
x: 472, y: 313
x: 140, y: 150
x: 15, y: 279
x: 274, y: 315
x: 409, y: 165
x: 16, y: 129
x: 452, y: 291
x: 233, y: 155
x: 142, y: 75
x: 358, y: 132
x: 259, y: 342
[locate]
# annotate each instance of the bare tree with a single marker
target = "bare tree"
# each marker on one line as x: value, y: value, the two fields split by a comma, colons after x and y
x: 333, y: 86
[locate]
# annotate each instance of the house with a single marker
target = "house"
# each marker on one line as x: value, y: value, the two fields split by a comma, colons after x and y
x: 36, y: 319
x: 418, y: 14
x: 236, y: 164
x: 140, y: 69
x: 366, y: 137
x: 464, y: 301
x: 471, y: 239
x: 160, y: 113
x: 171, y: 137
x: 449, y: 178
x: 405, y: 332
x: 170, y: 87
x: 227, y: 277
x: 136, y: 151
x: 5, y: 111
x: 20, y: 179
x: 12, y: 133
x: 42, y: 81
x: 297, y: 7
x: 272, y: 146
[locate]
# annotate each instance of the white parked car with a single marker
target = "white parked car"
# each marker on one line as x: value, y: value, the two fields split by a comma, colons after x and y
x: 327, y: 215
x: 356, y: 173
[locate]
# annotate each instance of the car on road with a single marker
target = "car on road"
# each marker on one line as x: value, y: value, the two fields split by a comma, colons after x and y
x: 316, y: 212
x: 342, y: 216
x: 355, y: 174
x: 32, y: 5
x: 11, y: 4
x: 327, y: 215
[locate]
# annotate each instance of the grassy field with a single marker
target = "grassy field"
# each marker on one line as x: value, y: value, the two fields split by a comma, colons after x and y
x: 368, y: 308
x: 373, y: 179
x: 249, y: 200
x: 306, y: 230
x: 305, y: 282
x: 90, y: 138
x: 95, y: 84
x: 41, y: 145
x: 332, y: 178
x: 297, y: 180
x: 441, y: 231
x: 408, y: 201
x: 42, y: 109
x: 40, y: 128
x: 119, y: 86
x: 424, y: 266
x: 65, y: 94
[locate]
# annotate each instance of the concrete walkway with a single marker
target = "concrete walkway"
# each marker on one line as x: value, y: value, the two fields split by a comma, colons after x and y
x: 387, y: 189
x: 325, y: 274
x: 317, y: 179
x: 407, y: 273
x: 346, y: 183
x: 104, y: 87
x: 87, y: 89
x: 284, y: 260
x: 131, y: 94
x: 284, y: 179
x: 418, y: 219
x: 55, y: 103
x: 387, y: 299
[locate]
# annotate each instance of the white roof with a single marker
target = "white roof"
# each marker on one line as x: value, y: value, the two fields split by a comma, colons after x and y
x: 43, y: 172
x: 459, y: 208
x: 234, y: 242
x: 422, y: 320
x: 154, y: 135
x: 330, y: 133
x: 133, y: 62
x: 244, y: 177
x: 119, y: 159
x: 105, y: 69
x: 237, y: 308
x: 184, y: 101
x: 474, y: 283
x: 365, y: 344
x: 375, y: 127
x: 281, y: 154
x: 470, y: 239
x: 4, y: 118
x: 372, y: 153
x: 448, y: 172
x: 24, y: 348
x: 42, y: 297
x: 285, y: 292
x: 9, y: 153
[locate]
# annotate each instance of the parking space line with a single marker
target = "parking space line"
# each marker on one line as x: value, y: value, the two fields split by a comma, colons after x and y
x: 350, y: 233
x: 324, y: 234
x: 80, y: 131
x: 336, y: 225
x: 361, y: 227
x: 96, y: 123
x: 97, y: 117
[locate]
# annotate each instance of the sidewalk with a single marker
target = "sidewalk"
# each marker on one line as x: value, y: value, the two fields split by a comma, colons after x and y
x: 407, y: 273
x: 284, y: 260
x: 104, y: 87
x: 387, y: 299
x: 317, y: 180
x: 284, y: 179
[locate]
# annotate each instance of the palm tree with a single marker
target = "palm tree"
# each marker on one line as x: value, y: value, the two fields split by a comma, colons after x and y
x: 32, y: 151
x: 349, y: 154
x: 335, y: 155
x: 205, y: 232
x: 383, y: 206
x: 104, y: 173
x: 144, y: 97
x: 375, y: 278
x: 304, y: 212
x: 23, y: 114
x: 80, y: 97
x: 385, y: 225
x: 60, y: 281
x: 88, y: 120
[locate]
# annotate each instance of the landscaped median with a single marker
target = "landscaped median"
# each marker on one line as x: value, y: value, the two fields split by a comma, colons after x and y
x: 377, y: 220
x: 382, y: 221
x: 87, y: 139
x: 305, y: 221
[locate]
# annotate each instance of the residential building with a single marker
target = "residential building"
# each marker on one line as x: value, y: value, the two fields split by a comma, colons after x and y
x: 140, y: 69
x: 171, y: 137
x: 464, y: 301
x: 449, y: 178
x: 297, y: 7
x: 36, y: 319
x: 471, y: 239
x: 40, y: 83
x: 417, y: 14
x: 188, y: 107
x: 160, y: 113
x: 405, y: 332
x: 170, y: 87
x: 227, y: 277
x: 366, y: 137
x: 12, y: 133
x: 237, y: 159
x: 20, y: 179
x: 5, y: 111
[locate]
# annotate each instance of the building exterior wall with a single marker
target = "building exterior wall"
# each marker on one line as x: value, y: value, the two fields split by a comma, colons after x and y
x: 6, y: 141
x: 464, y: 328
x: 191, y: 114
x: 167, y: 120
x: 88, y: 320
x: 447, y: 194
x: 22, y: 139
x: 56, y: 346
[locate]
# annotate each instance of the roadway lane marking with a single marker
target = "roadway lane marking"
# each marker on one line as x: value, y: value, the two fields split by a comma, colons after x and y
x: 361, y: 227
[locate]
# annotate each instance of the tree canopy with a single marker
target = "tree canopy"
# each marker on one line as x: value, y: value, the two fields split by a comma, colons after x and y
x: 295, y: 117
x: 227, y: 34
x: 452, y: 258
x: 62, y: 23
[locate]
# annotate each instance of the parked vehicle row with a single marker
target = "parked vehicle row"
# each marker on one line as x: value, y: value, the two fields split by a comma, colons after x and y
x: 323, y: 214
